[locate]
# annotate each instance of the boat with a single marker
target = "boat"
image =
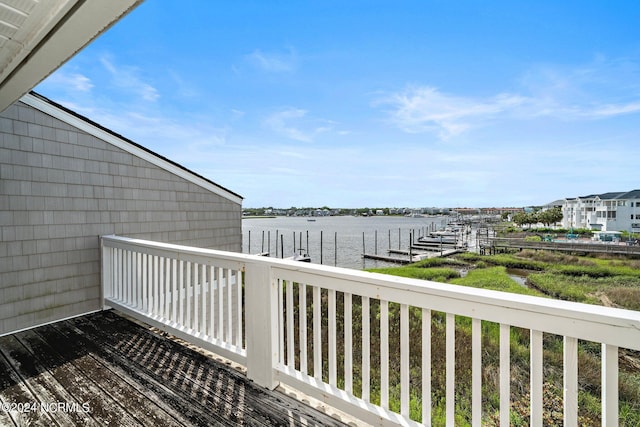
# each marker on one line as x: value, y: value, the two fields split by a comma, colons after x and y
x: 301, y: 256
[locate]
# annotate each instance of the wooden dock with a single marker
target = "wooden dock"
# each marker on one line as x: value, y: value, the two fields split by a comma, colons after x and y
x: 415, y: 256
x: 103, y: 369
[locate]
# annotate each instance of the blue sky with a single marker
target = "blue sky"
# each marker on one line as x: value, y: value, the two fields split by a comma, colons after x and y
x: 375, y: 103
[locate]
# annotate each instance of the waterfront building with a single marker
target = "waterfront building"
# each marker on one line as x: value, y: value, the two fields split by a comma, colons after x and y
x: 613, y: 211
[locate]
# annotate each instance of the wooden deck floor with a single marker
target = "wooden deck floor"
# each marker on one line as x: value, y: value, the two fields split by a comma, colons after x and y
x: 103, y: 369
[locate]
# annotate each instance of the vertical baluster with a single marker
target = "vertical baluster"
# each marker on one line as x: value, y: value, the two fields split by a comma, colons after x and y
x: 121, y: 274
x: 290, y: 328
x: 167, y: 288
x: 202, y: 320
x: 161, y: 285
x: 112, y: 290
x: 180, y: 296
x: 149, y: 283
x: 132, y: 276
x: 117, y: 274
x: 134, y: 279
x: 138, y: 280
x: 317, y: 334
x: 609, y: 385
x: 384, y: 354
x: 281, y: 330
x: 404, y: 360
x: 174, y: 290
x: 212, y: 300
x: 187, y: 294
x: 570, y: 379
x: 239, y: 308
x: 127, y: 275
x: 476, y: 372
x: 348, y: 344
x: 156, y: 284
x: 145, y: 283
x: 333, y: 369
x: 451, y: 368
x: 366, y: 350
x: 196, y: 307
x: 228, y: 317
x: 535, y: 392
x: 302, y: 310
x: 505, y: 374
x: 426, y: 367
x: 221, y: 285
x: 148, y: 277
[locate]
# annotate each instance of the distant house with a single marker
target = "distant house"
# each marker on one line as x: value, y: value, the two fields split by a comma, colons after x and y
x: 614, y: 211
x: 64, y: 181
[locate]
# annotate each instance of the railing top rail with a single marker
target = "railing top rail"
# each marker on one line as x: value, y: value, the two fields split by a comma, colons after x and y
x: 585, y: 321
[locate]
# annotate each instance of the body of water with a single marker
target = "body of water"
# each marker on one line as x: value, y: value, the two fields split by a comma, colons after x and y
x: 344, y: 233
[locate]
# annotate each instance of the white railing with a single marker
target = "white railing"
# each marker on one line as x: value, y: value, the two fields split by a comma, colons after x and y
x: 293, y: 323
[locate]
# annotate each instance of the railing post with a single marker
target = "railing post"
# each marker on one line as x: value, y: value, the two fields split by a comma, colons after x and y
x: 261, y: 318
x: 106, y: 259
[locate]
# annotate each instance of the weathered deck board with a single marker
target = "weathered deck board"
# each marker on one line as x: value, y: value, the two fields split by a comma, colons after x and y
x: 13, y: 390
x: 50, y: 345
x: 128, y: 375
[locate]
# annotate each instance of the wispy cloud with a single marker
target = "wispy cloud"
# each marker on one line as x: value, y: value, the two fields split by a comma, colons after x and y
x: 293, y: 123
x: 598, y: 90
x: 127, y: 77
x: 74, y: 81
x: 611, y: 110
x: 421, y: 109
x: 273, y: 62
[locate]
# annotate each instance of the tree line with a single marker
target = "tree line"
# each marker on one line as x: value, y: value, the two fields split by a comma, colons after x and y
x: 546, y: 217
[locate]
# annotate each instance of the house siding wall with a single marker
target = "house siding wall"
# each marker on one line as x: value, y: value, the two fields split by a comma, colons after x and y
x: 60, y: 189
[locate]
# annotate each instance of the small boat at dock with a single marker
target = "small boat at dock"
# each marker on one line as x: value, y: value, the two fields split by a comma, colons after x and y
x: 301, y: 256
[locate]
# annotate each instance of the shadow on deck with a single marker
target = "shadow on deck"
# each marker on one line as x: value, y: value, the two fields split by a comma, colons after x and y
x: 102, y: 369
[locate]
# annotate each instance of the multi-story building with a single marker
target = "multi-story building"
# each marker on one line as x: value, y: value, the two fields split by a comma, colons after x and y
x: 615, y: 211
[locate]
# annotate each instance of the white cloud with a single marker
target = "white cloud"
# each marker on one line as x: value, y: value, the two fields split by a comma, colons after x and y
x: 423, y: 109
x: 302, y: 129
x: 598, y: 90
x: 273, y: 62
x: 126, y: 77
x: 614, y: 110
x: 75, y: 81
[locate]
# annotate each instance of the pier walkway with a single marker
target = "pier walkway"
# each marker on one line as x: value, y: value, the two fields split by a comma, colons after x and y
x: 406, y: 258
x: 493, y: 245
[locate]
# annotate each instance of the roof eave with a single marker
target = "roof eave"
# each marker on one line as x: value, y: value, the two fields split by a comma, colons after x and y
x: 69, y: 27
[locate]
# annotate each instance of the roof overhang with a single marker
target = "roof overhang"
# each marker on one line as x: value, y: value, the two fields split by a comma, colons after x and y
x: 37, y: 37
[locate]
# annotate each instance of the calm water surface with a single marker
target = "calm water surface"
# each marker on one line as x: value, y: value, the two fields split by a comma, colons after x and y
x: 343, y: 232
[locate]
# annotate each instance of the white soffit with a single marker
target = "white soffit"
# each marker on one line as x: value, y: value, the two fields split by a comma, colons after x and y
x: 38, y: 36
x: 138, y: 151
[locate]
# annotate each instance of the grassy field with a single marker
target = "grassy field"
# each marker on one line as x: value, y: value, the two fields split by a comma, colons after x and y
x: 607, y: 281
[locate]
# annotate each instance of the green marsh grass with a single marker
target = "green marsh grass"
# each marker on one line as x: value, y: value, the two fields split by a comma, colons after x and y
x: 566, y: 277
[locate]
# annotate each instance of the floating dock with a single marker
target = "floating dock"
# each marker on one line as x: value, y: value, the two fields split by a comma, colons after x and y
x: 415, y: 257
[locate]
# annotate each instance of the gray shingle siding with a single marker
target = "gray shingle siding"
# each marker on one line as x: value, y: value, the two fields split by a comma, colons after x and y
x: 60, y: 189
